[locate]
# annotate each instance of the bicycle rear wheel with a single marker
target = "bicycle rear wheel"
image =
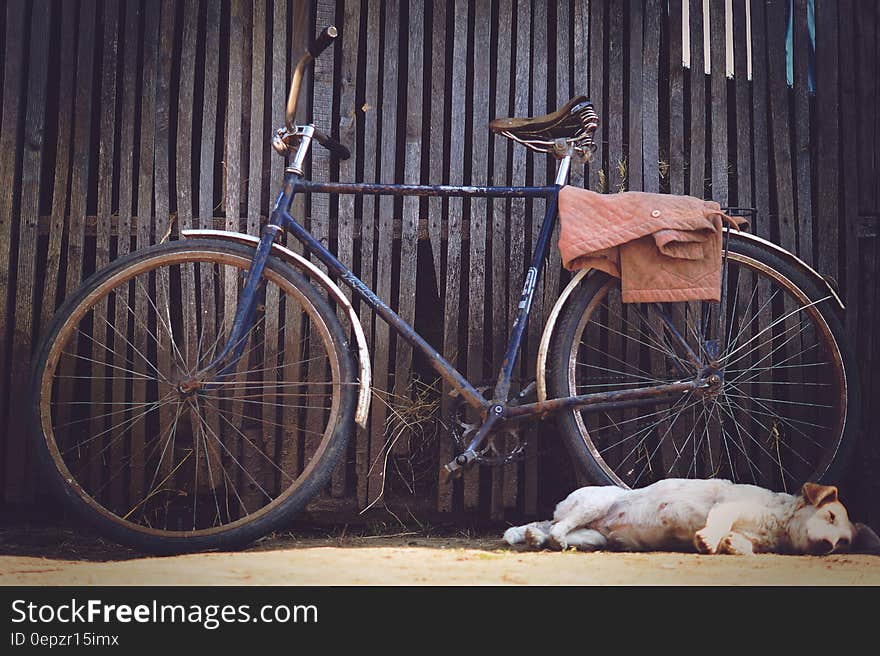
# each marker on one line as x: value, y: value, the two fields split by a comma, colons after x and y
x: 151, y: 459
x: 785, y: 413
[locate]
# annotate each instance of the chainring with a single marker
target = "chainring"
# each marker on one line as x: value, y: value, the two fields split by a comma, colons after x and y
x: 502, y: 447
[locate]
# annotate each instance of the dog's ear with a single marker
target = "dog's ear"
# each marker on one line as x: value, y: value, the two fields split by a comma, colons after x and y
x: 865, y: 540
x: 819, y: 495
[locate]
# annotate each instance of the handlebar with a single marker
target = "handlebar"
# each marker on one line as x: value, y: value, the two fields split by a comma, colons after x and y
x: 320, y: 44
x: 324, y: 41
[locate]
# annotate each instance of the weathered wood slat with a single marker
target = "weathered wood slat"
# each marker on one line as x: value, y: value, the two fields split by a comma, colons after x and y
x: 718, y: 81
x: 803, y: 135
x: 453, y: 252
x: 827, y: 137
x: 22, y: 332
x: 406, y: 293
x: 848, y: 166
x: 165, y: 347
x: 62, y: 162
x: 760, y: 128
x: 676, y: 99
x: 478, y: 154
x: 140, y: 310
x: 597, y: 92
x: 780, y: 127
x: 384, y: 265
x: 649, y: 98
x: 697, y: 154
x: 9, y: 137
x: 348, y: 113
x: 368, y: 222
x: 541, y: 166
x: 637, y: 47
x: 504, y: 486
x: 743, y: 171
x: 518, y: 253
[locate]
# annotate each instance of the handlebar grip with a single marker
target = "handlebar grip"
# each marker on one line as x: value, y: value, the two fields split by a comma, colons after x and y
x: 336, y: 148
x: 323, y: 41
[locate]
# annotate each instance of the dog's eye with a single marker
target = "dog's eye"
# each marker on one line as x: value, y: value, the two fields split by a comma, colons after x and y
x: 831, y: 517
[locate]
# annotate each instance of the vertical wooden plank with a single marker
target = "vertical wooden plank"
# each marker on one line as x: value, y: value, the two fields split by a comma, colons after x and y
x: 232, y: 158
x: 803, y: 147
x: 827, y: 138
x: 504, y: 485
x: 410, y: 221
x: 436, y: 174
x: 144, y: 228
x: 19, y: 486
x: 123, y: 230
x: 760, y: 127
x: 597, y: 92
x: 184, y: 168
x: 639, y: 15
x: 779, y: 125
x: 62, y: 161
x: 257, y: 149
x: 454, y: 217
x: 296, y: 440
x: 539, y: 178
x: 697, y: 163
x: 616, y: 167
x: 518, y: 254
x: 368, y: 221
x: 384, y: 265
x: 718, y: 80
x: 479, y: 153
x: 676, y: 99
x: 348, y: 130
x: 82, y: 136
x: 581, y: 46
x: 323, y: 85
x: 743, y: 104
x: 650, y: 126
x: 849, y: 169
x: 165, y: 347
x: 348, y: 135
x: 13, y: 56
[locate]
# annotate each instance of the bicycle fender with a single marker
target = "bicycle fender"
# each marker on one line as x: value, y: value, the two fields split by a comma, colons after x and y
x: 795, y: 261
x: 544, y: 346
x: 314, y: 273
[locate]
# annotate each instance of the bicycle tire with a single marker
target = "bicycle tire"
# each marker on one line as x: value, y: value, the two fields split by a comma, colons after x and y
x: 600, y: 452
x: 250, y: 452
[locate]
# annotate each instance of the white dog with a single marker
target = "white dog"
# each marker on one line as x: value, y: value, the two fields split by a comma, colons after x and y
x: 713, y: 516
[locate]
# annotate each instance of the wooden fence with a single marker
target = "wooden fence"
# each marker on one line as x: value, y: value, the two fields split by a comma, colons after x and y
x: 142, y: 117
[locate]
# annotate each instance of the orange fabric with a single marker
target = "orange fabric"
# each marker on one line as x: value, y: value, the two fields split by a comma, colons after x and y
x: 664, y: 248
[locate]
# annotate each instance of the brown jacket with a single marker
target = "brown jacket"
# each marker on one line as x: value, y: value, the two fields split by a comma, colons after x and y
x: 664, y: 248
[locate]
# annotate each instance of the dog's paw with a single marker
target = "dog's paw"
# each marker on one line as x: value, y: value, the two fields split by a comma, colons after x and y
x: 535, y: 538
x: 557, y: 544
x: 736, y: 544
x: 514, y: 535
x: 706, y: 542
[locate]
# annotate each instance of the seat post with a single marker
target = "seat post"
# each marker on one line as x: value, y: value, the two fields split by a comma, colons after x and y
x: 562, y: 169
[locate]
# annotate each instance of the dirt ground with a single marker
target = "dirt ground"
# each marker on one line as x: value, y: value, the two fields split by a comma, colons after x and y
x: 63, y: 557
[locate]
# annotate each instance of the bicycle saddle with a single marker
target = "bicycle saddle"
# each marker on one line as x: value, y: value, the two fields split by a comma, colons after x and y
x: 574, y: 122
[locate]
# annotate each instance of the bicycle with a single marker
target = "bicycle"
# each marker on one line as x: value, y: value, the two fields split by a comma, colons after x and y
x: 198, y: 393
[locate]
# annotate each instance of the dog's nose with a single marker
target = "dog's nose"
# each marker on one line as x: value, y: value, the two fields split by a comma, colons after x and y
x: 824, y: 546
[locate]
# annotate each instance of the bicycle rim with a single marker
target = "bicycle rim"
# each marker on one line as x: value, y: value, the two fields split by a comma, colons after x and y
x: 145, y: 455
x: 777, y: 420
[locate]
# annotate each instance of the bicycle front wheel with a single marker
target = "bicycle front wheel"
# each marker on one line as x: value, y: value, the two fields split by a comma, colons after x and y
x: 786, y: 411
x: 157, y: 457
